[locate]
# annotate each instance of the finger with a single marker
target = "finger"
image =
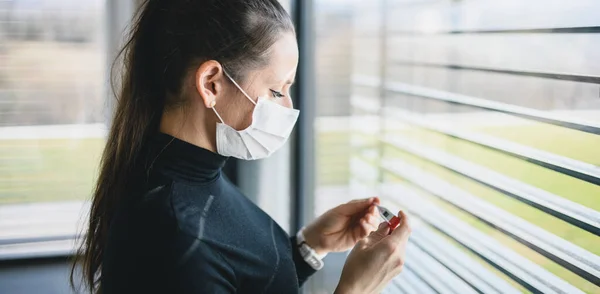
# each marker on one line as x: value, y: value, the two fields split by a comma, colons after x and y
x: 406, y: 218
x: 368, y: 224
x: 402, y: 232
x: 376, y: 201
x: 358, y: 205
x: 366, y: 215
x: 373, y: 211
x: 372, y: 228
x: 367, y: 227
x: 381, y: 232
x: 383, y: 229
x: 367, y: 239
x: 374, y: 223
x: 372, y: 219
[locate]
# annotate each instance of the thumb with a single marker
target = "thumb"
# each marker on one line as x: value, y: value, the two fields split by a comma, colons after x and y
x: 382, y: 231
x: 357, y: 205
x: 402, y: 232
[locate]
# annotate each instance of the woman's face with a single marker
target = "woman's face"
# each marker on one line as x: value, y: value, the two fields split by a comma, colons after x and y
x: 272, y: 82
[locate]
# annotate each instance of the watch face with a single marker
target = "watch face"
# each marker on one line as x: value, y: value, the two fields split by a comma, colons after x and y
x: 310, y: 258
x: 304, y: 250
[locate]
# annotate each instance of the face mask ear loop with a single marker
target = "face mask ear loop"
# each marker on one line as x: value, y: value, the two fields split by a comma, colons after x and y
x: 213, y: 108
x: 238, y: 86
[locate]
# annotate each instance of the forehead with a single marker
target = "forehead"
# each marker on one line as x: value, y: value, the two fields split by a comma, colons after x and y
x: 283, y: 58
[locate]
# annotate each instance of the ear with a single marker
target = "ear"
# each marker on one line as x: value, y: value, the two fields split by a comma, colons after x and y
x: 209, y: 82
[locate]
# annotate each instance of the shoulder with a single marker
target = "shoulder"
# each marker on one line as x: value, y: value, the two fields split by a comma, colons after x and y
x: 196, y: 208
x: 173, y: 219
x: 175, y: 206
x: 187, y: 208
x: 154, y: 203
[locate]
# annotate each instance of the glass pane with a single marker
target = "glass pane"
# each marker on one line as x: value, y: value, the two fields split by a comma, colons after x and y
x: 332, y: 142
x: 52, y: 113
x: 474, y: 175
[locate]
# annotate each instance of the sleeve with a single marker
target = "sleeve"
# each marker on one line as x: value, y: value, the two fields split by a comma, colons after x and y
x: 303, y: 269
x: 201, y: 269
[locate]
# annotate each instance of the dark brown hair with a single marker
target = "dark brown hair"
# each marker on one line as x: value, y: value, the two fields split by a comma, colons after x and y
x: 167, y: 40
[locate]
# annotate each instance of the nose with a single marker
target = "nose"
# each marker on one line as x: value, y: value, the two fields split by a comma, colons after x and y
x: 287, y: 102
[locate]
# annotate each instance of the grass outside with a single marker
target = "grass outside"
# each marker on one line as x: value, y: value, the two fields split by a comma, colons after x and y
x: 333, y: 158
x: 65, y: 169
x: 56, y: 170
x: 580, y: 146
x: 48, y: 169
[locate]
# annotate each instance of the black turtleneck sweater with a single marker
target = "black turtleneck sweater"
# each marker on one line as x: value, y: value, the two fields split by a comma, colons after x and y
x: 187, y: 229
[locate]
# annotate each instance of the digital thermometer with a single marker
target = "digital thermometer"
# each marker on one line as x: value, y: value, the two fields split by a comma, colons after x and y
x: 392, y: 220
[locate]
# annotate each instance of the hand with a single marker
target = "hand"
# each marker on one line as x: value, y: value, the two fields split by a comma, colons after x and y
x: 375, y: 260
x: 341, y: 227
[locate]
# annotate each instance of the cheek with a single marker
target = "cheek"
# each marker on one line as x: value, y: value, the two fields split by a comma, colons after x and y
x: 244, y: 117
x: 236, y: 111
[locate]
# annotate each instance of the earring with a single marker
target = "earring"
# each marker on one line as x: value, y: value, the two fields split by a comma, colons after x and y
x: 213, y: 103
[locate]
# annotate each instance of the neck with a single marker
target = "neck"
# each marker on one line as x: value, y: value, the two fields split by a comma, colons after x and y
x: 194, y: 129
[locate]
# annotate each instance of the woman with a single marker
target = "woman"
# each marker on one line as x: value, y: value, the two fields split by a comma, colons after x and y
x: 203, y: 81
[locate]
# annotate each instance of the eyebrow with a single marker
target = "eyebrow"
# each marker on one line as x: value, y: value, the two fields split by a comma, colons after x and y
x: 288, y: 82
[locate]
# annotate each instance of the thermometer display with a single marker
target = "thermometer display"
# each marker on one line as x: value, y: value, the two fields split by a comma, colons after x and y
x: 392, y: 220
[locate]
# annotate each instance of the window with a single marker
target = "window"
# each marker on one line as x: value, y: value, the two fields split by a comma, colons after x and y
x: 480, y: 119
x: 52, y: 116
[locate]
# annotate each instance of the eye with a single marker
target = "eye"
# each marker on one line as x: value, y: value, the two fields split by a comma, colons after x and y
x: 277, y: 94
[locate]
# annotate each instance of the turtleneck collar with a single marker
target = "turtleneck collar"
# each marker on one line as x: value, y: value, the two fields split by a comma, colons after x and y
x: 182, y: 160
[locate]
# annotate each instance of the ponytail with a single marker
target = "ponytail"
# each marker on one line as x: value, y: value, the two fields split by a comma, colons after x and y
x: 168, y: 40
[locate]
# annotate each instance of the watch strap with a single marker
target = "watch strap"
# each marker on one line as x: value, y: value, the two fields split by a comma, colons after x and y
x: 308, y: 253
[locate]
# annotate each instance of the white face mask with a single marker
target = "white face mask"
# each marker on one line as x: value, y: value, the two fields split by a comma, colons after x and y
x: 271, y: 126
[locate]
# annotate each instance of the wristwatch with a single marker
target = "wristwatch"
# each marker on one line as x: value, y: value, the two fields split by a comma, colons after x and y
x: 308, y: 253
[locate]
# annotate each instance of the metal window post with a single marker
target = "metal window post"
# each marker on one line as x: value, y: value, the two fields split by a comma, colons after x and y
x: 303, y: 150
